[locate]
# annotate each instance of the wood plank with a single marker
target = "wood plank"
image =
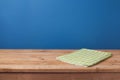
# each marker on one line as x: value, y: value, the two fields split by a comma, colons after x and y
x: 45, y: 61
x: 60, y: 76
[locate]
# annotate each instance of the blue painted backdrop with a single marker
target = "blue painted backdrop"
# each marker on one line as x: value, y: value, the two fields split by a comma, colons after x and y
x: 60, y: 24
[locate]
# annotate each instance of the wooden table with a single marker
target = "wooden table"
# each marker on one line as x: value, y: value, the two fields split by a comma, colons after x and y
x: 42, y: 65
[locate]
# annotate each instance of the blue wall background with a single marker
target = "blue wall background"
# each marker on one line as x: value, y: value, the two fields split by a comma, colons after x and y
x: 60, y: 24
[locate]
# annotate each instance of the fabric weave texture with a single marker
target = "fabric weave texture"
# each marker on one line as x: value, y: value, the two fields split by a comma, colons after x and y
x: 85, y: 57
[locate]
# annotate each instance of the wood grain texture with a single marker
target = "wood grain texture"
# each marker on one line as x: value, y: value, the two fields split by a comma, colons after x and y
x: 45, y: 61
x: 60, y: 76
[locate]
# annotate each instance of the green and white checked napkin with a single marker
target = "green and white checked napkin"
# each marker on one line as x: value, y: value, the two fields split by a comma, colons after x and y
x: 84, y: 57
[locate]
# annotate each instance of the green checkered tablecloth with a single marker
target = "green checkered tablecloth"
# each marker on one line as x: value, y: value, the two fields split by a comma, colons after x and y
x: 84, y: 57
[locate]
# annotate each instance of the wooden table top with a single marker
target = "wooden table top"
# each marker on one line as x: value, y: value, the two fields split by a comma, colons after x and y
x: 45, y: 61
